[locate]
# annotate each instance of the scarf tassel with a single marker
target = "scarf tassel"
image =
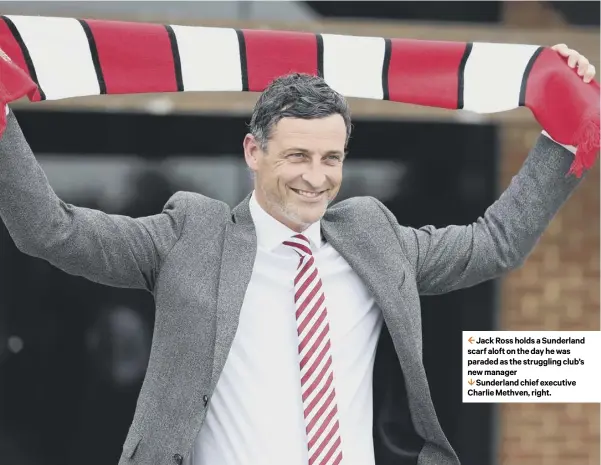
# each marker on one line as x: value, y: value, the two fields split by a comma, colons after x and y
x: 586, y: 140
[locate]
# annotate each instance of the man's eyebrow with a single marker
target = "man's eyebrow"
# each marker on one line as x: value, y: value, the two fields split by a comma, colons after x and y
x: 301, y: 150
x: 296, y: 149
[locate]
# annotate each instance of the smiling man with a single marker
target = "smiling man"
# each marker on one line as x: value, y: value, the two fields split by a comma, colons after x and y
x: 268, y: 316
x: 296, y: 149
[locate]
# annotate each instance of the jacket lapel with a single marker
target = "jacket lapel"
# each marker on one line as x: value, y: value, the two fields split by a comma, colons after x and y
x: 378, y: 266
x: 238, y: 258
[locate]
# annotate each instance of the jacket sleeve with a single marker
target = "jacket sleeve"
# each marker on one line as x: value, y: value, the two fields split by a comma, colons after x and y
x: 109, y: 249
x: 455, y: 257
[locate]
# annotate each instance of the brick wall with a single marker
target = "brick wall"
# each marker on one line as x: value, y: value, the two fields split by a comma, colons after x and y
x: 556, y: 289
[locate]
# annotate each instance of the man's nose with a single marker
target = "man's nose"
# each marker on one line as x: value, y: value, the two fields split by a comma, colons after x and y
x: 315, y: 177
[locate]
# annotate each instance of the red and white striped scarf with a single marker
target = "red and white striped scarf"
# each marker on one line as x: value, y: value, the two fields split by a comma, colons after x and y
x: 56, y: 58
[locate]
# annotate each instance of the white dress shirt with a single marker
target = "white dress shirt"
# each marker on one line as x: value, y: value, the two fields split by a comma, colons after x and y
x: 256, y: 413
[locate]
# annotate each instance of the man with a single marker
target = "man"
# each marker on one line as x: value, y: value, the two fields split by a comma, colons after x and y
x: 268, y: 317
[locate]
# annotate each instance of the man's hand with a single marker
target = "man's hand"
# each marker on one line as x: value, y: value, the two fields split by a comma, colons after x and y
x: 585, y: 69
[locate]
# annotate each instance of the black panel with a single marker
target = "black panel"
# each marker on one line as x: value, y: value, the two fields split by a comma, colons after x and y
x: 481, y: 12
x: 579, y: 13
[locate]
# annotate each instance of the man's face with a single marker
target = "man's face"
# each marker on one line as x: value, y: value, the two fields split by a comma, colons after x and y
x: 300, y: 171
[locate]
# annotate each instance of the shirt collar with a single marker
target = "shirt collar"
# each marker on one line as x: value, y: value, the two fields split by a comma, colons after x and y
x: 271, y: 233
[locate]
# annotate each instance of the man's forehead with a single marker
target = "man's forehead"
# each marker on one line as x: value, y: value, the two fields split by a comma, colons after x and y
x: 316, y: 127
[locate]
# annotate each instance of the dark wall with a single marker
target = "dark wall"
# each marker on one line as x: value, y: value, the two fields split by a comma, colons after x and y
x: 481, y: 12
x: 576, y: 13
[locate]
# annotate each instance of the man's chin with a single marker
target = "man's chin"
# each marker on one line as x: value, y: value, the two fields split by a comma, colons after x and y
x: 304, y: 217
x: 313, y: 216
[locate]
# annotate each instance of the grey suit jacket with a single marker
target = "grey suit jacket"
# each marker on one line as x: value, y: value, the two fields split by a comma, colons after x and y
x: 196, y: 258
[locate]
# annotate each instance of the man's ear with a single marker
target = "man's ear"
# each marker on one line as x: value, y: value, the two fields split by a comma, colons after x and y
x: 252, y: 151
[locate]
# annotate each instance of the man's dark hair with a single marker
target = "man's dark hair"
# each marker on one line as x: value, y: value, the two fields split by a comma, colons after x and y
x: 296, y: 95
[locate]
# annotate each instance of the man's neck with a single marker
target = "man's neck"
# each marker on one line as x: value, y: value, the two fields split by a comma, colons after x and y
x: 278, y: 216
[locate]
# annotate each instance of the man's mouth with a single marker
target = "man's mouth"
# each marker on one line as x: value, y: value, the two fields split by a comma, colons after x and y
x: 308, y: 194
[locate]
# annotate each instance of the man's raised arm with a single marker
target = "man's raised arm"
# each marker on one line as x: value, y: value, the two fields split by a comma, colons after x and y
x: 109, y: 249
x: 455, y: 257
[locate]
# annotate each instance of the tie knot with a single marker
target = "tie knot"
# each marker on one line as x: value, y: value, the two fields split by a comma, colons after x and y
x: 300, y: 244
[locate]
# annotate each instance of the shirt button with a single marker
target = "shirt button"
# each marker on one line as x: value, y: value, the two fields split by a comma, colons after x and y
x: 178, y: 459
x: 205, y: 400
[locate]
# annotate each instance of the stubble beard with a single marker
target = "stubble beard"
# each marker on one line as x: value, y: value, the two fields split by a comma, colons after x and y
x: 287, y: 209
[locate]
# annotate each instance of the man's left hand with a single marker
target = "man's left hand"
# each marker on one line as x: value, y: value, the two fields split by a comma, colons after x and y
x: 585, y: 69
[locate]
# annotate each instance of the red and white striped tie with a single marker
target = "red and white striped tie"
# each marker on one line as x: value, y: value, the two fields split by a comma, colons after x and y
x: 317, y: 376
